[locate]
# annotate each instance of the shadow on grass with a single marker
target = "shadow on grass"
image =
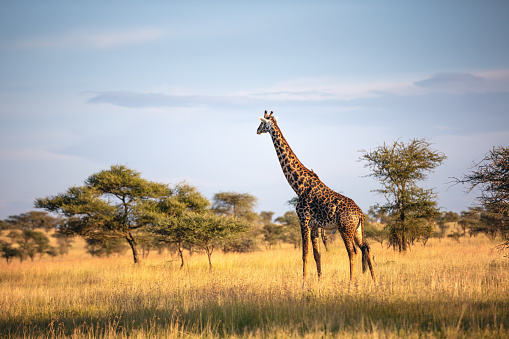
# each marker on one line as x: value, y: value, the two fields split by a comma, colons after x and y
x: 296, y: 317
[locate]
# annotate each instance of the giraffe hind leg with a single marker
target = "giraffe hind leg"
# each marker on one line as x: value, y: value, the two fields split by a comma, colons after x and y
x: 359, y: 242
x: 365, y: 249
x: 352, y: 253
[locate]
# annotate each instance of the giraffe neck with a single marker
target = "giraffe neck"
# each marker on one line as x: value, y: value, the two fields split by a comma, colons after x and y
x: 297, y: 175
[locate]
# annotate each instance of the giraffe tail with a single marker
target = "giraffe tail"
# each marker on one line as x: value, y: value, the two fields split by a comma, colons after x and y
x: 366, y: 256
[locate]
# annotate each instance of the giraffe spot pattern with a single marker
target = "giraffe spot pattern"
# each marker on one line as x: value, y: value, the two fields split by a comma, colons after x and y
x: 318, y: 206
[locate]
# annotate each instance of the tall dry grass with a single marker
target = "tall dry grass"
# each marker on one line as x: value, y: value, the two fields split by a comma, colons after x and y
x: 446, y: 289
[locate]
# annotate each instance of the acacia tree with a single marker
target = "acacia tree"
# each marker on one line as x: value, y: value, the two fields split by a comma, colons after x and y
x: 184, y: 219
x: 204, y: 231
x: 30, y: 242
x: 272, y: 233
x: 64, y: 241
x: 238, y: 205
x: 8, y: 251
x: 491, y: 177
x: 209, y: 230
x: 111, y: 204
x: 398, y: 167
x: 169, y: 222
x: 173, y: 230
x: 33, y: 220
x: 291, y: 224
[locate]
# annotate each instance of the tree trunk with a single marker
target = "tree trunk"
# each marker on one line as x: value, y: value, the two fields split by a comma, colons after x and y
x: 181, y: 255
x: 145, y: 252
x: 209, y: 255
x: 130, y: 239
x: 403, y: 231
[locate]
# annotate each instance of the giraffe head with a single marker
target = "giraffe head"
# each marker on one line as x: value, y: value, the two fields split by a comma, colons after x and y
x: 267, y: 123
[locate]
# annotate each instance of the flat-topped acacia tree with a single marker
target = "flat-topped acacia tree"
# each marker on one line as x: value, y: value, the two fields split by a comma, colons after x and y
x: 112, y: 203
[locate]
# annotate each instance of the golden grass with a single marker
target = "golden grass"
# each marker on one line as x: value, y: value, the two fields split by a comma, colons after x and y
x: 446, y: 289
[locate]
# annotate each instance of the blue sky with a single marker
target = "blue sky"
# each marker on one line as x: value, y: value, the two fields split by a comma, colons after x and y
x: 174, y: 90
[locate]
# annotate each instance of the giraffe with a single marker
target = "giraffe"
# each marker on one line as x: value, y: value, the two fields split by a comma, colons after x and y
x: 318, y: 205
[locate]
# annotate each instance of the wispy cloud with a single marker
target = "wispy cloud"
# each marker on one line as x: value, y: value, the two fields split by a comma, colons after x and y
x: 339, y: 90
x: 331, y: 89
x: 452, y: 82
x: 30, y: 154
x: 88, y: 39
x: 113, y: 39
x: 442, y: 91
x: 140, y: 99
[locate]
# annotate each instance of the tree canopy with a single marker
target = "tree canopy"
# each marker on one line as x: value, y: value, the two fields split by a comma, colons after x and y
x: 29, y: 243
x: 119, y: 204
x: 239, y: 205
x: 110, y: 204
x: 172, y: 223
x: 291, y: 224
x: 185, y: 220
x: 32, y: 220
x: 398, y: 167
x: 491, y: 177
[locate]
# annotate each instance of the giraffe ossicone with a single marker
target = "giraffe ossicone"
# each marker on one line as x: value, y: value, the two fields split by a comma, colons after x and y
x: 318, y: 205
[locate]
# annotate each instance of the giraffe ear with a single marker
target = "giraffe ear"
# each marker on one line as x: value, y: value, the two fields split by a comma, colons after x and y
x: 262, y: 119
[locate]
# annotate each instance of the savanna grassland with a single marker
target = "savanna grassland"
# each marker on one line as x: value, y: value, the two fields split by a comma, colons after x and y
x: 446, y: 289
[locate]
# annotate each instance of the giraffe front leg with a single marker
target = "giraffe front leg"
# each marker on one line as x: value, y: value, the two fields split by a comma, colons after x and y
x: 304, y: 219
x: 316, y: 251
x: 305, y: 250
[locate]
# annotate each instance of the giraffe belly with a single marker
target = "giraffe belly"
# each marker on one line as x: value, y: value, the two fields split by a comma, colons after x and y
x: 326, y: 224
